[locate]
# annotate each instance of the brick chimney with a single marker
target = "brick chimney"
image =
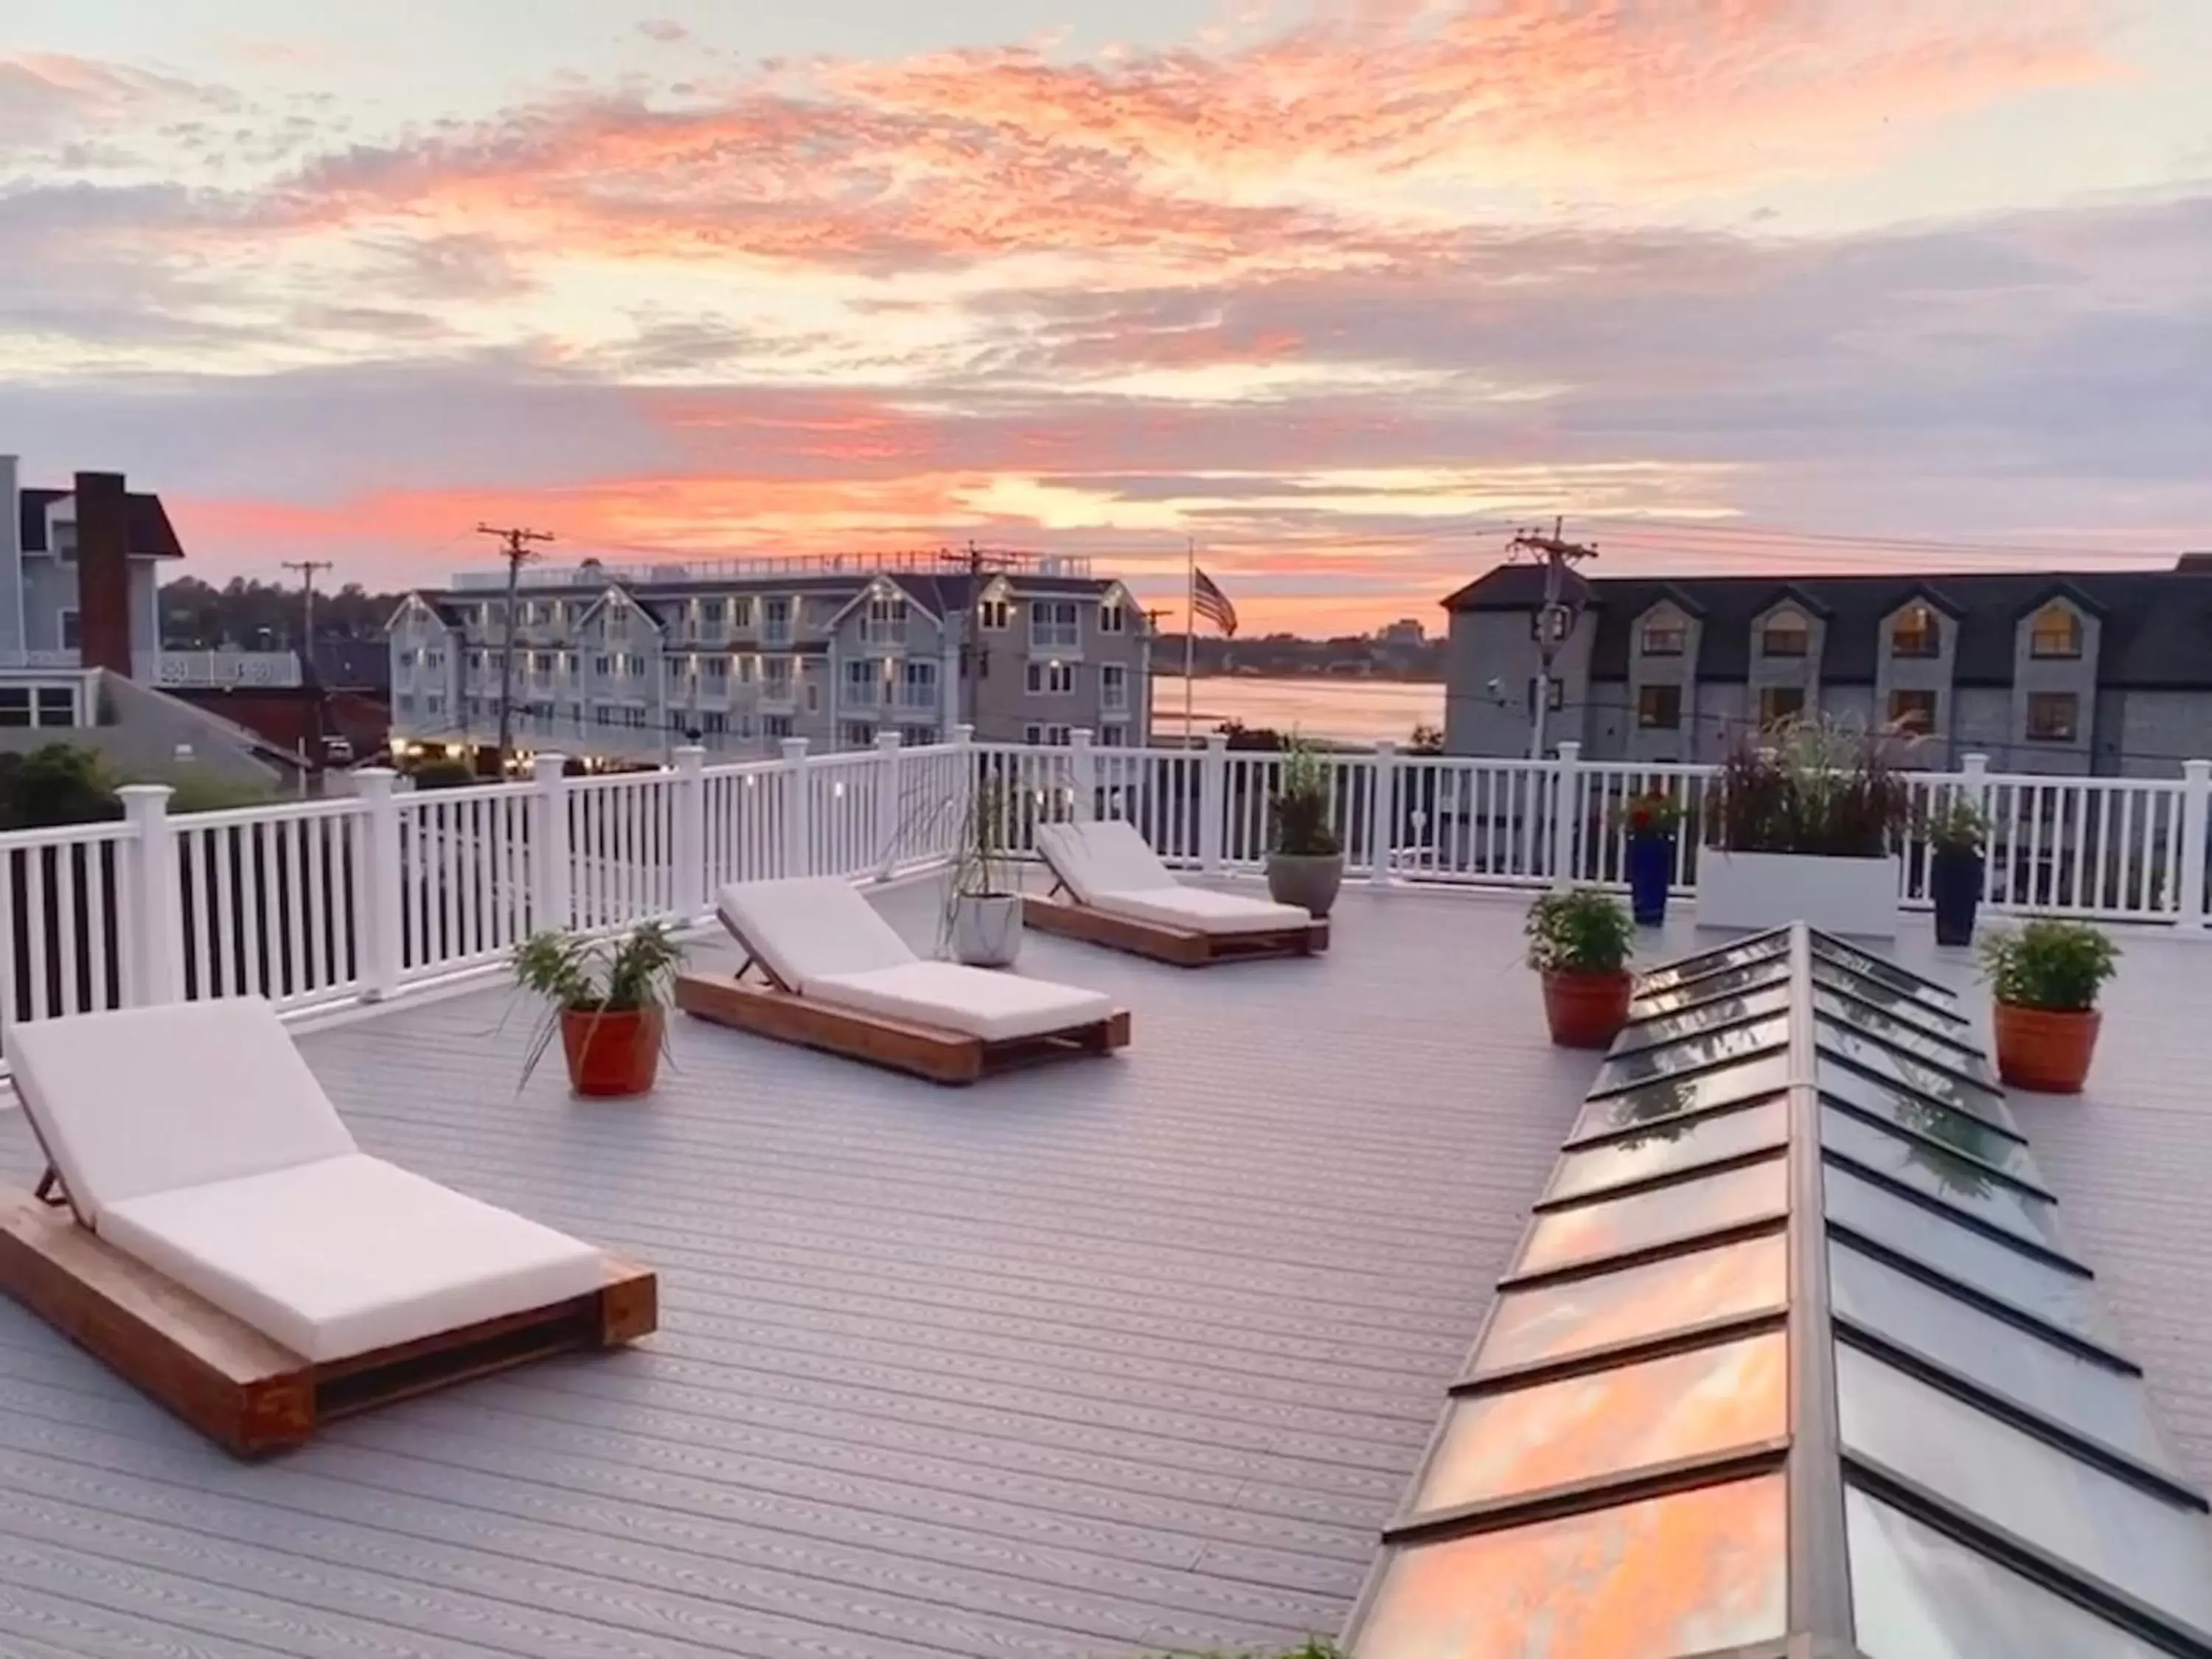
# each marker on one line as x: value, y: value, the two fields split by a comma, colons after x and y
x: 103, y: 573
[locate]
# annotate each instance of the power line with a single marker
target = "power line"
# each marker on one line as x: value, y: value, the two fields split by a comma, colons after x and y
x: 306, y: 568
x: 1555, y: 619
x: 518, y: 552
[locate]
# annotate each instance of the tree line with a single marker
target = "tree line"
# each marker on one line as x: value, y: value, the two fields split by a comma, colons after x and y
x: 248, y: 615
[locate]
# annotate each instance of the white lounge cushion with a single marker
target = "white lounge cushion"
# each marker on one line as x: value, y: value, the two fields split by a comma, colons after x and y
x: 806, y: 927
x: 973, y: 1000
x: 1202, y: 911
x: 349, y: 1255
x: 1101, y: 856
x: 144, y: 1100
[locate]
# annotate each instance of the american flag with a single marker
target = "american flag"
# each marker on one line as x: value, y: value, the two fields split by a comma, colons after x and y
x: 1211, y: 604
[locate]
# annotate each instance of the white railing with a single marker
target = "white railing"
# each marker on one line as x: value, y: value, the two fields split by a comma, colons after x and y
x: 377, y: 895
x: 215, y: 669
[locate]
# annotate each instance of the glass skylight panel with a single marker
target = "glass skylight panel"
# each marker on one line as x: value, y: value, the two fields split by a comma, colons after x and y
x: 1953, y: 1050
x: 1708, y: 1401
x: 1733, y: 981
x: 1967, y: 1133
x: 1928, y: 1167
x: 2059, y: 1298
x: 1653, y: 1102
x: 1863, y: 966
x: 1852, y: 1027
x: 2156, y: 1549
x: 1690, y: 1572
x: 1766, y: 947
x: 1919, y: 1594
x: 1906, y: 1072
x: 1691, y: 1054
x: 1670, y: 1145
x: 1897, y: 1006
x: 1662, y: 1215
x: 1705, y: 1016
x: 1635, y: 1304
x: 2076, y: 1393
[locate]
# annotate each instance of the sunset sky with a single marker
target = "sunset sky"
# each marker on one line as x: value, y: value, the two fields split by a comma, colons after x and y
x: 1344, y: 290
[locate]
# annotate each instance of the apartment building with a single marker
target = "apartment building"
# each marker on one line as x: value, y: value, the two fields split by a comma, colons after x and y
x: 2089, y: 672
x: 736, y: 655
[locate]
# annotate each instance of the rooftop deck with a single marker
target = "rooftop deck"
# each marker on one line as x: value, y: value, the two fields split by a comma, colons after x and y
x: 1116, y: 1357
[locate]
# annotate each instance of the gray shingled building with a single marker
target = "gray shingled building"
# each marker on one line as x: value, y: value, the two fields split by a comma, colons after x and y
x: 2104, y: 671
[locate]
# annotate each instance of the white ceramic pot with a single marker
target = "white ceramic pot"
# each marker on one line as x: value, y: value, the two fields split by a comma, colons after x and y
x: 987, y: 929
x: 1752, y: 890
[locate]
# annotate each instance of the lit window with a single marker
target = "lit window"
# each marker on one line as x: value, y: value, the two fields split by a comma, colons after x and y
x: 1913, y: 711
x: 1664, y: 636
x: 2053, y: 717
x: 1915, y: 633
x: 2056, y: 632
x: 1785, y: 635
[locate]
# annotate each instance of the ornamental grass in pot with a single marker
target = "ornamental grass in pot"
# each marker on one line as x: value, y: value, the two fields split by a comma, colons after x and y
x: 2044, y: 979
x: 1579, y: 942
x: 606, y: 1001
x: 1305, y: 864
x: 1955, y: 833
x: 982, y: 923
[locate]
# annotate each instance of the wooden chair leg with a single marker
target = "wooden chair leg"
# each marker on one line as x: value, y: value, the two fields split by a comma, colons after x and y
x: 49, y: 1189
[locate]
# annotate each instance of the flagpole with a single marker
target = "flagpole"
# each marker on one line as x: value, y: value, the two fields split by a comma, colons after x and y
x: 1189, y: 632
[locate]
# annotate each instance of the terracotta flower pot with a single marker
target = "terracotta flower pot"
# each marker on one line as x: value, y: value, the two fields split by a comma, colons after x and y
x: 2045, y: 1049
x: 1585, y: 1011
x: 611, y: 1053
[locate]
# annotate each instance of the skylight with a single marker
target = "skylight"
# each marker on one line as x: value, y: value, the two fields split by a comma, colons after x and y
x: 1795, y: 1351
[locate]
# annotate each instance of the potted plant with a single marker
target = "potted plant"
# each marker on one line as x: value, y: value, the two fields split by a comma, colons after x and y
x: 983, y: 897
x: 1305, y: 866
x: 1955, y: 831
x: 1579, y: 942
x: 607, y: 1001
x: 1807, y: 829
x: 1651, y: 819
x: 2044, y: 978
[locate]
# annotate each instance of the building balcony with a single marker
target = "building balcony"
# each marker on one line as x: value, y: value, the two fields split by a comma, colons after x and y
x: 223, y: 670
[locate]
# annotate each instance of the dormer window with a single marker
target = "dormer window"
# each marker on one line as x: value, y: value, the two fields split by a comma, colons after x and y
x: 1915, y: 633
x: 1785, y: 635
x: 2056, y: 632
x: 1663, y: 635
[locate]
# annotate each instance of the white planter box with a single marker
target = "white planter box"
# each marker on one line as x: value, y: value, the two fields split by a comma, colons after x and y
x: 1858, y: 897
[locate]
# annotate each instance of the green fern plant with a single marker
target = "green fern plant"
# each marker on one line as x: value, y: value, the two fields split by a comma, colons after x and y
x: 579, y: 973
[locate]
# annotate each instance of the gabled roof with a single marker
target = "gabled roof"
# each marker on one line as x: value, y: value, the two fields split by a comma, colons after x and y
x: 146, y: 523
x: 2156, y: 624
x: 888, y: 583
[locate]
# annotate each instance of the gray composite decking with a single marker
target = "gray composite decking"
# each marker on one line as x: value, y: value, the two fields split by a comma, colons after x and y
x: 1120, y: 1357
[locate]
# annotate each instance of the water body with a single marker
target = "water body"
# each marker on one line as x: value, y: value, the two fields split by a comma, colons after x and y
x: 1339, y: 710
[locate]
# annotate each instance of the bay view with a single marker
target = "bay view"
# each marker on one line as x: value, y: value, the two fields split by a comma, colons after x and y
x: 1316, y: 705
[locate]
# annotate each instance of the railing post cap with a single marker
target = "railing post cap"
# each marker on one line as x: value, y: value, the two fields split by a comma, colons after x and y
x: 2196, y: 771
x: 1386, y: 745
x: 690, y: 757
x: 963, y: 732
x: 887, y: 741
x: 1976, y: 762
x: 144, y: 797
x: 1571, y: 750
x: 1217, y: 742
x: 1079, y: 738
x: 547, y: 764
x: 794, y: 749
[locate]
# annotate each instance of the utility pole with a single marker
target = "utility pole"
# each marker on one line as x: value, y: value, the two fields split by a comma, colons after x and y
x: 1555, y: 619
x: 306, y: 568
x: 518, y: 552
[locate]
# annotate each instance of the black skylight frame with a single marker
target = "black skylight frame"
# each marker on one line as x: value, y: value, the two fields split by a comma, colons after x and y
x: 2076, y: 1376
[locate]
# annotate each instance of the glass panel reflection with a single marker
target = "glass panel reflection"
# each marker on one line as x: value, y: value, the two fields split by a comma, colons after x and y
x: 1686, y: 1573
x: 1964, y: 1132
x: 1632, y: 1417
x: 1605, y: 1310
x: 2048, y: 1294
x: 2092, y: 1399
x: 1885, y: 973
x: 1766, y: 947
x: 1920, y: 1594
x: 1616, y: 1226
x: 1646, y: 1064
x: 1904, y: 1070
x: 1665, y: 1147
x: 2153, y: 1549
x: 1947, y: 1048
x: 1733, y: 981
x: 1892, y: 1002
x: 1723, y: 1086
x: 1898, y: 1039
x: 1930, y: 1168
x: 1706, y: 1017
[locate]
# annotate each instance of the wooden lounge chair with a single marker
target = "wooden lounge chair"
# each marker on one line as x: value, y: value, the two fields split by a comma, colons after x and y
x: 206, y: 1226
x: 1110, y: 888
x: 837, y: 976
